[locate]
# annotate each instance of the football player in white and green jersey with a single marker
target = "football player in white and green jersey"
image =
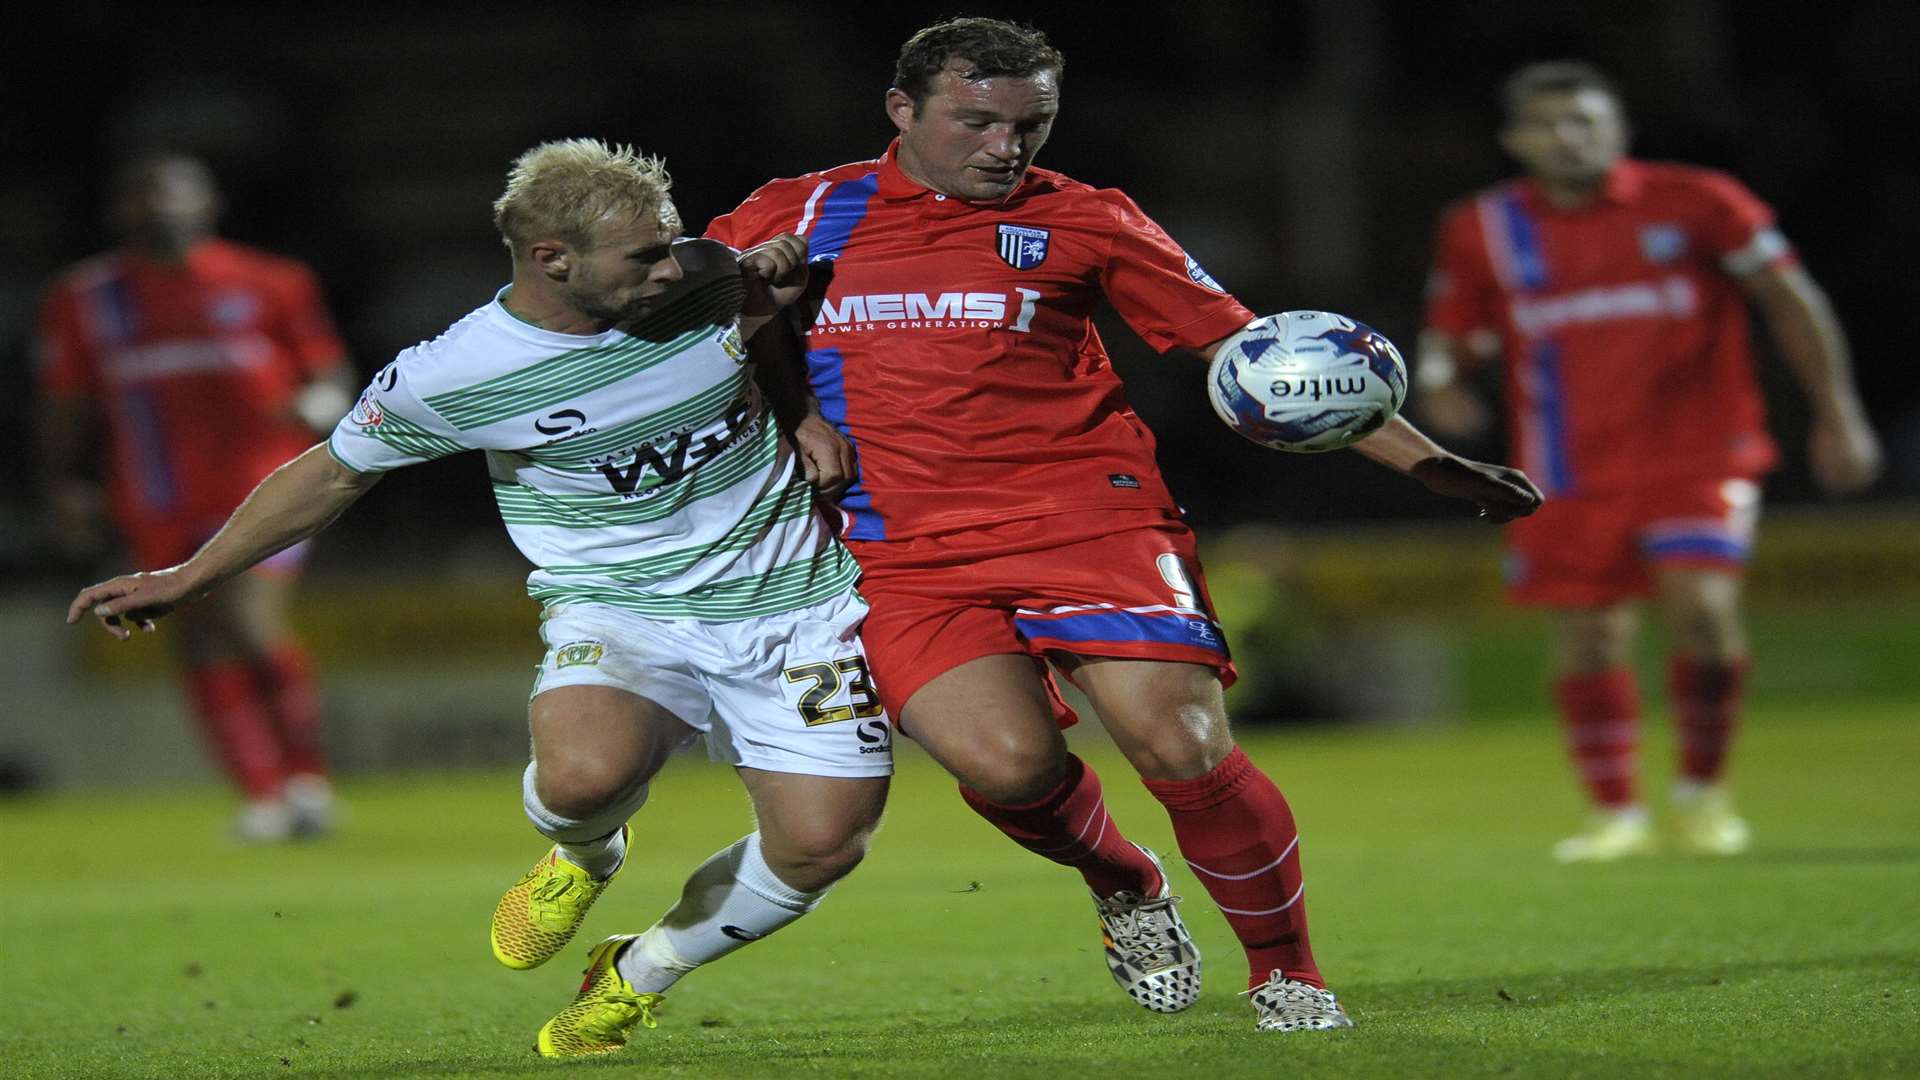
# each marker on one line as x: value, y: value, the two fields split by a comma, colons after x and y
x: 689, y: 587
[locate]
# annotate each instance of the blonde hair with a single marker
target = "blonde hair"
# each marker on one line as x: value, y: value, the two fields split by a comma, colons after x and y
x: 562, y: 189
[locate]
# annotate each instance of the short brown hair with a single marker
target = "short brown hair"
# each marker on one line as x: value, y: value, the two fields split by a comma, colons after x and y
x: 563, y: 189
x: 992, y: 46
x: 1551, y: 77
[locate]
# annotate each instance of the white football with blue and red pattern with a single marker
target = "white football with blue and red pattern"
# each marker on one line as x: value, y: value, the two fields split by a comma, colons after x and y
x: 1307, y: 381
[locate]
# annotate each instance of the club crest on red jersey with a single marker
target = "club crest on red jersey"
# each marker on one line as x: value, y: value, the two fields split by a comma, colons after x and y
x: 1022, y: 246
x: 1662, y: 243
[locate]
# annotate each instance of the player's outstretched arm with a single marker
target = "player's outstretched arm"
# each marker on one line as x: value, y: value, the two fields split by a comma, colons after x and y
x: 298, y: 500
x: 776, y: 275
x: 1501, y: 493
x: 1844, y: 451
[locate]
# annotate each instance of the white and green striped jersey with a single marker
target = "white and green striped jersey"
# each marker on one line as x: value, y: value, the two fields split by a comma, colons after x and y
x: 637, y: 468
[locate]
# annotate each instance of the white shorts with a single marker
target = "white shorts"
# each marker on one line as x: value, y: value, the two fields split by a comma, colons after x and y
x: 786, y: 693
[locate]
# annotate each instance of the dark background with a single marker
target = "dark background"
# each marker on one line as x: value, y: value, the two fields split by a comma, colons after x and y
x: 1300, y: 151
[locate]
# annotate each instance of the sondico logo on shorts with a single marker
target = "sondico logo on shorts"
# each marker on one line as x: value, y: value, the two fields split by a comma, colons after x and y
x: 579, y: 654
x: 876, y: 737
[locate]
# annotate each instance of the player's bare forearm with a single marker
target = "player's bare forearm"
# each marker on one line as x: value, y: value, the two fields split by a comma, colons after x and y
x: 1842, y: 448
x: 298, y: 500
x: 1501, y: 493
x: 826, y: 457
x: 1809, y: 336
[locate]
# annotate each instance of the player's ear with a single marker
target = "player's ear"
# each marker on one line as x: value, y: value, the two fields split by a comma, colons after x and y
x: 552, y: 258
x: 900, y: 108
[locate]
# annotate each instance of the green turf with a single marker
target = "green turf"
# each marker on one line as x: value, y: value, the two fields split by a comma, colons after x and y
x: 137, y: 943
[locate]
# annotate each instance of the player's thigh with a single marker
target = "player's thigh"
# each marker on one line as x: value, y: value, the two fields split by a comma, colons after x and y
x: 991, y: 723
x: 815, y: 820
x: 1168, y: 718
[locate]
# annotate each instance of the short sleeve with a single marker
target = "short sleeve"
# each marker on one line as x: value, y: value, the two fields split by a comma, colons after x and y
x: 1737, y: 228
x: 1462, y: 295
x: 64, y: 359
x: 391, y: 427
x: 305, y: 323
x: 1162, y: 293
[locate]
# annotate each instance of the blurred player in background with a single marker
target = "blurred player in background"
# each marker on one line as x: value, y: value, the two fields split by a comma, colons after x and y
x: 1613, y: 292
x: 1008, y: 514
x: 184, y: 368
x: 689, y: 585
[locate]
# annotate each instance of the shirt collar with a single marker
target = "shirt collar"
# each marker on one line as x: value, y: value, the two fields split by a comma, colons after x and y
x: 1622, y: 186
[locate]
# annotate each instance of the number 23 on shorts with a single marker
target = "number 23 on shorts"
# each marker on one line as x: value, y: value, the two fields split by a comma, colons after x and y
x: 825, y: 680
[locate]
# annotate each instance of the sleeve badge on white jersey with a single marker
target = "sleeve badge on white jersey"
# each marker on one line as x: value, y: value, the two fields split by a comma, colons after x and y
x: 366, y: 412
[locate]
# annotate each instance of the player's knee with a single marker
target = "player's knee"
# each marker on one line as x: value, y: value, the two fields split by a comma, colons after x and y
x: 579, y: 787
x: 1180, y: 751
x: 1018, y: 774
x: 815, y: 856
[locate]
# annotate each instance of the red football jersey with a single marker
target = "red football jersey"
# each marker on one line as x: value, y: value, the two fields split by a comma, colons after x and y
x: 953, y: 342
x: 195, y: 367
x: 1623, y: 330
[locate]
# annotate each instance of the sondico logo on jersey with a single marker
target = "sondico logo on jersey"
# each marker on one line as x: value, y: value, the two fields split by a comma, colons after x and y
x: 928, y: 311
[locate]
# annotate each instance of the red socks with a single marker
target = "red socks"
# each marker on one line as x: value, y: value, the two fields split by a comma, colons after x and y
x: 1601, y: 713
x: 238, y: 726
x: 1071, y: 827
x: 1237, y: 834
x: 1706, y: 703
x: 294, y: 701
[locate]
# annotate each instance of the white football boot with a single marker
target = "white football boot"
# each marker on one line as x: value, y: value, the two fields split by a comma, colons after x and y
x: 1705, y: 821
x: 1283, y: 1004
x: 1149, y: 951
x: 1609, y: 835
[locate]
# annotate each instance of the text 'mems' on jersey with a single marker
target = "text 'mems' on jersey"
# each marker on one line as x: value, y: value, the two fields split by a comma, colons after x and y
x: 1623, y: 330
x: 953, y: 342
x: 636, y: 468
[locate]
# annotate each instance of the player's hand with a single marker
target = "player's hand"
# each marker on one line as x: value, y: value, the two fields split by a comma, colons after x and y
x: 131, y: 599
x: 775, y: 272
x: 1845, y: 454
x: 1501, y: 493
x: 1452, y: 411
x: 826, y: 457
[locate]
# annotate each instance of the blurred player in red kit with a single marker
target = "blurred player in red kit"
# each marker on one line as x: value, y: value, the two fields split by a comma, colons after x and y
x: 184, y: 368
x: 1008, y: 513
x: 1613, y: 291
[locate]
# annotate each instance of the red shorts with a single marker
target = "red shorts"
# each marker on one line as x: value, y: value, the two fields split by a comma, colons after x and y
x: 1123, y: 586
x: 1599, y: 550
x: 157, y: 543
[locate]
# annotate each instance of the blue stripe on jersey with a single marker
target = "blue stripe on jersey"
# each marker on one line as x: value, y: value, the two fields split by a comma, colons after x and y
x: 1715, y: 545
x: 157, y: 487
x: 1170, y: 627
x: 841, y: 210
x: 1523, y: 244
x: 111, y: 311
x: 827, y: 372
x: 1549, y: 389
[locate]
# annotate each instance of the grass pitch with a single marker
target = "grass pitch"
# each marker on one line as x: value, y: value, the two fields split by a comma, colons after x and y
x: 138, y: 943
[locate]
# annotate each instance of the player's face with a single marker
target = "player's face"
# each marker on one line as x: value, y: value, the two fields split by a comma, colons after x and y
x: 627, y: 269
x: 1567, y: 136
x: 168, y: 203
x: 973, y: 139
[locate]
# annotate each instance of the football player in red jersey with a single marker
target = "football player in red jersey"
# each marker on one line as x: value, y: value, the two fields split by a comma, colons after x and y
x: 184, y: 368
x: 1007, y: 510
x: 1614, y: 292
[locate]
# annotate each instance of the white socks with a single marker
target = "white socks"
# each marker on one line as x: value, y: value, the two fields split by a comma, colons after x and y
x: 732, y: 899
x: 596, y: 844
x: 599, y: 858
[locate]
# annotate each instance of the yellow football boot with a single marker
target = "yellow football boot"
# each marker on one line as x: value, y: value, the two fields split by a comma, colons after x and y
x: 538, y: 916
x: 603, y: 1016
